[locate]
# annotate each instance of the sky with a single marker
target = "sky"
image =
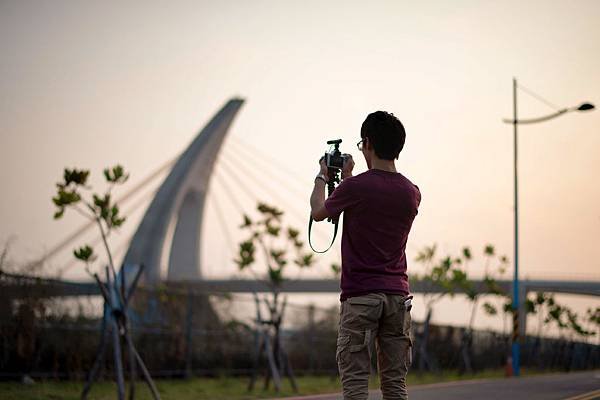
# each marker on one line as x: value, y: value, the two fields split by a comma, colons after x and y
x: 92, y: 84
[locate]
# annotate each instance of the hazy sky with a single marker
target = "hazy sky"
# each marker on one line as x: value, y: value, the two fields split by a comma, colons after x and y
x: 92, y: 84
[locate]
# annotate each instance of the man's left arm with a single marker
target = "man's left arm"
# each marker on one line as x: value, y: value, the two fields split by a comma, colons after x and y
x: 317, y: 198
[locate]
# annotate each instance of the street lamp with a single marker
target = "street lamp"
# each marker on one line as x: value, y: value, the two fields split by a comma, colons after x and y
x: 515, y: 303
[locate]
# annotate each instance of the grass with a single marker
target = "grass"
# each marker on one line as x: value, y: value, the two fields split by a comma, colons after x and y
x: 224, y: 388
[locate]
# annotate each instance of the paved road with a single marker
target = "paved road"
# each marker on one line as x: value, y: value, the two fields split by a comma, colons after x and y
x: 573, y: 386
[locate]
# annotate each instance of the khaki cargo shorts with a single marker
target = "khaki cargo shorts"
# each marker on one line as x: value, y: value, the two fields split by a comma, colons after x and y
x: 381, y: 320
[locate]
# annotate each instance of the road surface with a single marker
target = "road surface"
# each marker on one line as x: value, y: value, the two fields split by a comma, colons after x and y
x: 573, y: 386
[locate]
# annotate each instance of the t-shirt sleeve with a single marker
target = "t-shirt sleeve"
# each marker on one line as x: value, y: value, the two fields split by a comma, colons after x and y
x: 417, y: 198
x: 343, y: 197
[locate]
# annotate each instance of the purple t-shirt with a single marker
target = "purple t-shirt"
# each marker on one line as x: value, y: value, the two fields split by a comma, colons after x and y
x: 379, y: 208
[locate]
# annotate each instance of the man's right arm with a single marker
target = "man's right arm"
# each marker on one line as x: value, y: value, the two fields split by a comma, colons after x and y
x: 318, y: 211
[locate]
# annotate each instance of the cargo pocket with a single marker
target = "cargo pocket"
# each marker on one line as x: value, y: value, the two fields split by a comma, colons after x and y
x: 363, y: 309
x: 367, y: 342
x: 342, y: 344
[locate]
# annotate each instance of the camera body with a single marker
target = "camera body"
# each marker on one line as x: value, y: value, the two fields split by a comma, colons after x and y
x: 334, y: 158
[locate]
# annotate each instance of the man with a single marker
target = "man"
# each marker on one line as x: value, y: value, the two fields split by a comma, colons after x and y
x: 379, y: 207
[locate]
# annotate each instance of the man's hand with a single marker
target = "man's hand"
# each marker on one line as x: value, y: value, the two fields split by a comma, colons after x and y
x: 324, y: 170
x: 348, y: 167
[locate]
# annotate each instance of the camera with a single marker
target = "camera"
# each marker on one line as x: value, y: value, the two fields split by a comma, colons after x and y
x: 334, y: 158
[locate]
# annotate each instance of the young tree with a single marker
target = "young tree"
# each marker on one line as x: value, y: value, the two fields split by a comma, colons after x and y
x: 493, y: 267
x: 565, y: 319
x: 278, y: 246
x: 592, y: 317
x: 101, y: 209
x: 5, y: 264
x: 441, y: 278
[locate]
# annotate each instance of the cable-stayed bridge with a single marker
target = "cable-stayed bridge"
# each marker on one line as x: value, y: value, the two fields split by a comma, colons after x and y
x: 207, y: 180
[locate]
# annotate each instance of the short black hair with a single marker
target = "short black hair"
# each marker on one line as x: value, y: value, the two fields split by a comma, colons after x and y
x: 385, y: 133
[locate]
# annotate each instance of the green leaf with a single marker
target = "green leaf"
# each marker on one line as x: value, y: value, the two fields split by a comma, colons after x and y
x: 277, y: 253
x: 85, y: 253
x: 269, y: 212
x: 489, y: 308
x: 336, y: 268
x: 101, y: 202
x: 59, y: 213
x: 574, y: 324
x: 305, y: 260
x: 78, y: 177
x: 489, y: 250
x: 472, y: 294
x: 426, y: 254
x: 116, y: 174
x: 278, y: 256
x: 466, y: 253
x: 246, y: 254
x: 273, y: 230
x: 113, y: 219
x: 247, y: 222
x: 593, y: 316
x: 540, y: 298
x: 276, y: 276
x: 293, y: 233
x: 66, y: 197
x: 529, y: 306
x: 447, y: 263
x: 492, y: 286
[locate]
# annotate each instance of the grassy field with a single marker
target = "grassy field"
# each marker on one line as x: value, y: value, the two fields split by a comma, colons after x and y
x: 225, y: 388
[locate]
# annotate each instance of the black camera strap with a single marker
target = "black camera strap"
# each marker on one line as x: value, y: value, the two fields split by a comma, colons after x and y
x: 335, y: 229
x: 334, y: 178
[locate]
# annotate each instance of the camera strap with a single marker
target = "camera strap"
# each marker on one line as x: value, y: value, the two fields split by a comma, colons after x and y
x: 335, y: 229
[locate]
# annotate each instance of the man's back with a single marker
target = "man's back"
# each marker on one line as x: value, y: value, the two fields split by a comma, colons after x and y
x: 379, y: 208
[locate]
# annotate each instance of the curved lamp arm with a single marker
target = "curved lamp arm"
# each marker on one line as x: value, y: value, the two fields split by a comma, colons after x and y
x: 582, y: 107
x: 539, y: 119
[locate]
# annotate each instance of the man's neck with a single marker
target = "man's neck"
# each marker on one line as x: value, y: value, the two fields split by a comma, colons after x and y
x: 385, y: 165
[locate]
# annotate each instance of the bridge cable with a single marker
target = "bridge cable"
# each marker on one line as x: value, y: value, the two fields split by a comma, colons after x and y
x: 240, y: 143
x: 259, y: 184
x: 230, y: 240
x: 293, y: 209
x: 222, y: 221
x: 272, y: 193
x: 258, y: 155
x: 230, y: 195
x: 247, y: 190
x: 270, y: 170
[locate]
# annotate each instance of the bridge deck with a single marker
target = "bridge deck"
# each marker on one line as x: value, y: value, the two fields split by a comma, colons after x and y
x: 15, y: 286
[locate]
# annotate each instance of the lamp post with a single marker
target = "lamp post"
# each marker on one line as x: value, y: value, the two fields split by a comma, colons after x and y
x: 515, y: 303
